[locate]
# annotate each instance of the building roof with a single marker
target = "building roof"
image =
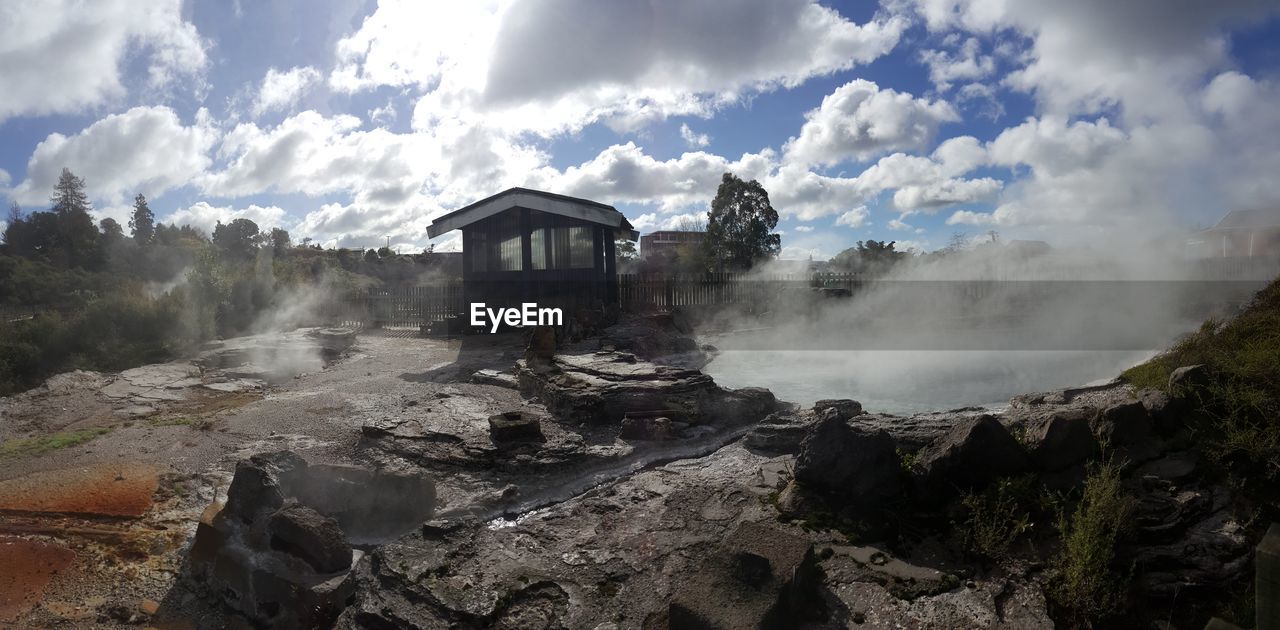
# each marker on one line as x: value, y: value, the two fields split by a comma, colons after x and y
x: 1249, y: 220
x: 551, y: 203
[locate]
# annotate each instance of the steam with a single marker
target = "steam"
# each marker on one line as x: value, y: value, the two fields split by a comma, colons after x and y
x: 975, y: 327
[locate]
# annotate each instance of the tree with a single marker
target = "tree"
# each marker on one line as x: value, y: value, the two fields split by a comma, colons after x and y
x: 385, y: 252
x: 739, y: 225
x: 872, y: 257
x: 238, y: 239
x: 111, y: 230
x: 143, y: 223
x: 625, y: 250
x: 77, y: 235
x: 280, y: 241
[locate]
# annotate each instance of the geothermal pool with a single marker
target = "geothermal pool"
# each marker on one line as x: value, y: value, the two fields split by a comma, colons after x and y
x: 912, y: 381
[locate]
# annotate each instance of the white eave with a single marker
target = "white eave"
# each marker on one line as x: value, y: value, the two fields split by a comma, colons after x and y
x: 535, y: 200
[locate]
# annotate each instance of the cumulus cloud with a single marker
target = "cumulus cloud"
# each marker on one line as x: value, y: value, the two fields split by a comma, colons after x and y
x: 860, y: 120
x: 203, y: 216
x: 803, y: 228
x: 555, y: 66
x: 282, y: 90
x: 967, y: 63
x: 145, y: 149
x: 855, y: 218
x: 63, y: 56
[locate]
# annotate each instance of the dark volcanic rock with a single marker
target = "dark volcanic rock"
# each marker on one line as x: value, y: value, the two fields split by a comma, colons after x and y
x: 542, y: 344
x: 316, y: 539
x: 646, y: 428
x: 776, y: 438
x: 1127, y: 427
x: 603, y: 387
x: 1168, y: 415
x: 1060, y: 440
x: 763, y: 577
x: 1188, y: 380
x: 912, y: 433
x: 846, y: 407
x: 973, y: 454
x: 254, y: 492
x: 859, y: 464
x: 515, y: 426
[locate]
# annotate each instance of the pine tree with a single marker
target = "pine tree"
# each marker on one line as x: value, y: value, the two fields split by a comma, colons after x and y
x: 77, y: 235
x: 143, y: 222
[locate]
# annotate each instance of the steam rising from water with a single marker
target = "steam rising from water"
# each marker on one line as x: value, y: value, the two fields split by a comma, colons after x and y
x: 975, y: 327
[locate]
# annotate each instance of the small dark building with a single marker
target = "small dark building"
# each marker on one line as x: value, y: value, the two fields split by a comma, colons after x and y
x: 524, y: 245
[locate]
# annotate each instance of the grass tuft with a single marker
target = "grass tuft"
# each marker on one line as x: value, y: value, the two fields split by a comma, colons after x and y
x: 43, y: 444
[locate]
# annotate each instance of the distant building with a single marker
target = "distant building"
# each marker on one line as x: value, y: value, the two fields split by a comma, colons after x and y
x: 1240, y: 234
x: 667, y: 242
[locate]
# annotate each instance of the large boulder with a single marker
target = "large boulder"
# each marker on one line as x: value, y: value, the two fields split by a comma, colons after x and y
x: 1168, y: 414
x: 761, y: 577
x: 971, y: 455
x: 776, y: 437
x: 1188, y: 380
x: 1127, y: 427
x: 1060, y: 440
x: 846, y: 407
x: 310, y: 536
x: 860, y: 464
x: 646, y: 428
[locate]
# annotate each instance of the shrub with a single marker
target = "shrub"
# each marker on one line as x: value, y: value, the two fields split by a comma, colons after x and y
x: 1087, y: 584
x: 998, y: 516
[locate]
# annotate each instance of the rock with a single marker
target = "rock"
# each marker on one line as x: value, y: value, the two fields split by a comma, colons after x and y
x: 148, y: 607
x: 1187, y: 380
x: 762, y: 577
x: 1192, y: 541
x: 333, y: 341
x: 316, y: 539
x: 253, y: 492
x: 1060, y: 440
x: 494, y: 377
x: 646, y: 428
x: 1174, y: 467
x: 914, y: 432
x: 515, y: 426
x: 847, y: 408
x: 1167, y: 413
x: 973, y: 454
x: 851, y: 461
x: 1127, y: 427
x: 776, y: 438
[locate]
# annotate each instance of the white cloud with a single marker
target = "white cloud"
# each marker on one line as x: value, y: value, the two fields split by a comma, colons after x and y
x: 859, y: 120
x: 203, y: 216
x: 63, y: 56
x: 283, y: 90
x: 855, y: 218
x: 554, y: 66
x: 625, y: 173
x: 694, y: 140
x: 966, y: 64
x: 898, y: 224
x: 803, y: 228
x: 145, y: 149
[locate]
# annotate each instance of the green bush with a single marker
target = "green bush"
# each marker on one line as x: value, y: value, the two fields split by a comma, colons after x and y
x: 1087, y: 585
x: 995, y: 518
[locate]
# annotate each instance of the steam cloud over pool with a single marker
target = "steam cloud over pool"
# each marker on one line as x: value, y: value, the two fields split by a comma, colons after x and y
x: 910, y: 381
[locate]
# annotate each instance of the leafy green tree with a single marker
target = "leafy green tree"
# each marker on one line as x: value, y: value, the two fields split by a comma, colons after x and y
x: 111, y: 230
x: 385, y: 252
x: 740, y: 224
x: 868, y: 256
x: 280, y: 241
x: 77, y: 235
x: 143, y: 223
x: 237, y: 239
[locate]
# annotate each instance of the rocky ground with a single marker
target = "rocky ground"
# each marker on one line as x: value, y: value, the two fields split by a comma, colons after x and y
x: 408, y: 482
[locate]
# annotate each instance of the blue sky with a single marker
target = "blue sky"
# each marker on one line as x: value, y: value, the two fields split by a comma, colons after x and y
x: 352, y: 121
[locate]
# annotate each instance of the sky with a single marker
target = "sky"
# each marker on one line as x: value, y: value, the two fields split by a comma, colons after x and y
x: 356, y: 122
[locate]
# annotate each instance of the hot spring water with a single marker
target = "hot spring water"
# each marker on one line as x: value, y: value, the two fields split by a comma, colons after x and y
x: 912, y: 381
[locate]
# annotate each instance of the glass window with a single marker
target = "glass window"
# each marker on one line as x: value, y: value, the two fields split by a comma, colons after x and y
x: 581, y: 248
x: 538, y: 242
